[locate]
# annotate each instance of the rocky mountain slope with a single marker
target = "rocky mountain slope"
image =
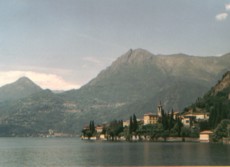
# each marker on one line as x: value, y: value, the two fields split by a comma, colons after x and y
x: 222, y: 85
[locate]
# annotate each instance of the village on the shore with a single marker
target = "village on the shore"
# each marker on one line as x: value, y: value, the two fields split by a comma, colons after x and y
x: 187, y: 126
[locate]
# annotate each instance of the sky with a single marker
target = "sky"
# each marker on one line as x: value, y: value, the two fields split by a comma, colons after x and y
x: 63, y: 44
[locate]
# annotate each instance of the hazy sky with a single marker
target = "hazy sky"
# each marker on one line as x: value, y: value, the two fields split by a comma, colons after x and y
x: 62, y: 44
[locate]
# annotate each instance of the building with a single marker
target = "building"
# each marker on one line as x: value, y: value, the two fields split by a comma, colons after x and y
x: 176, y: 114
x: 150, y: 118
x: 199, y: 116
x: 126, y: 123
x: 188, y: 120
x: 205, y: 136
x: 159, y: 110
x: 99, y: 128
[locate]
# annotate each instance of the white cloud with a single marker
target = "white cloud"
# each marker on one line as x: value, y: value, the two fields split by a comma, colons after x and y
x: 51, y: 81
x: 221, y: 16
x: 227, y: 6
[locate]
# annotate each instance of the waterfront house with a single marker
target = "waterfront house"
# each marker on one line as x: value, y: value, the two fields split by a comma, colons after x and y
x: 205, y: 136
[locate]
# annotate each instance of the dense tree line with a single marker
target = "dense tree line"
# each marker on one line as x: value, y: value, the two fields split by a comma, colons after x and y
x: 217, y: 104
x: 222, y: 130
x: 114, y: 129
x: 166, y: 126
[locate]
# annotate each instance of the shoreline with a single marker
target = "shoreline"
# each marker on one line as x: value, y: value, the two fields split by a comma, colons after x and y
x: 160, y: 139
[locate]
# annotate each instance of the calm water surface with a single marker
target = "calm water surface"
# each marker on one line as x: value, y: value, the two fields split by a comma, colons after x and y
x: 32, y: 152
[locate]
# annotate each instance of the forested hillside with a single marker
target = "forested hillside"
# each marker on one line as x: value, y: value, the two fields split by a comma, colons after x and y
x: 216, y: 102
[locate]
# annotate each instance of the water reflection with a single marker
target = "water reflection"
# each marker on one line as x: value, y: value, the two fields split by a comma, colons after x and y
x: 74, y: 152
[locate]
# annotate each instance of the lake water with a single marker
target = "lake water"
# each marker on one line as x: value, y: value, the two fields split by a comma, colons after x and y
x: 69, y: 152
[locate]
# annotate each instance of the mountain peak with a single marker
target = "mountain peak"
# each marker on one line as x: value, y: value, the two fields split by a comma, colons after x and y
x: 139, y: 53
x: 18, y: 89
x: 135, y: 56
x: 24, y: 80
x: 25, y: 83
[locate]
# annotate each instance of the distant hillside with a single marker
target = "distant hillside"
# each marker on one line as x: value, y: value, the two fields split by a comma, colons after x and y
x: 28, y: 110
x: 33, y: 115
x: 23, y: 87
x: 138, y: 80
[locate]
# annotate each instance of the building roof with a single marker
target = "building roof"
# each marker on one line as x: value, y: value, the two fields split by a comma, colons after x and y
x: 195, y: 113
x: 206, y: 132
x: 150, y: 114
x: 176, y: 112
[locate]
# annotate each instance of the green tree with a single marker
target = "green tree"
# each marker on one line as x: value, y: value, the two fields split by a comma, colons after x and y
x: 89, y: 133
x: 92, y: 127
x: 218, y: 112
x: 135, y: 123
x: 221, y: 130
x: 171, y: 120
x: 204, y: 125
x: 178, y: 126
x: 114, y: 129
x: 165, y: 134
x: 130, y: 125
x: 185, y: 132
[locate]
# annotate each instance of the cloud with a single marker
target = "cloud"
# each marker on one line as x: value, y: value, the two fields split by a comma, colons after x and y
x: 227, y: 6
x: 221, y: 16
x: 92, y: 60
x: 44, y: 80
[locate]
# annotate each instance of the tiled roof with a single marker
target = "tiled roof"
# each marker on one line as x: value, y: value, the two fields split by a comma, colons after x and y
x: 206, y: 132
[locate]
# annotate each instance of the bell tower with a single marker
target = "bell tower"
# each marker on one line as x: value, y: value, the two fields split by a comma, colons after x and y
x: 159, y: 109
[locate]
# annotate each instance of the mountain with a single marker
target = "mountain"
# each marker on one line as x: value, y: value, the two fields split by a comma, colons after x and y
x: 134, y: 83
x: 28, y: 110
x: 138, y: 80
x: 23, y: 87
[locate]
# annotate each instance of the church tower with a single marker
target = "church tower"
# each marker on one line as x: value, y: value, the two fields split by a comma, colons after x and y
x: 159, y: 109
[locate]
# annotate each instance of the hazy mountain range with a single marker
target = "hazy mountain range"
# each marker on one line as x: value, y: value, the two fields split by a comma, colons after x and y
x: 134, y: 83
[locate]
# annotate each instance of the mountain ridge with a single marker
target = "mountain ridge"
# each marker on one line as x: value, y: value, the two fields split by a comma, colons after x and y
x: 172, y: 62
x: 139, y: 73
